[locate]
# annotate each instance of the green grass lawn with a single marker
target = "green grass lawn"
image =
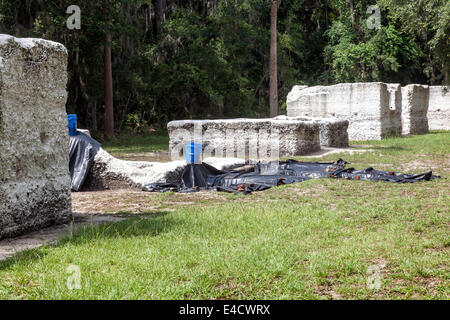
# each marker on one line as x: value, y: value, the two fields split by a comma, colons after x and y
x: 311, y: 240
x: 128, y: 143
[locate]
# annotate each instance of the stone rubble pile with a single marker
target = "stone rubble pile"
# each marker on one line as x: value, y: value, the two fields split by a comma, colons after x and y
x: 108, y: 172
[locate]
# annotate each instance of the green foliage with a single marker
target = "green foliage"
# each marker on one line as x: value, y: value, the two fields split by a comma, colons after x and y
x: 136, y: 124
x: 210, y: 58
x: 357, y: 53
x: 429, y: 22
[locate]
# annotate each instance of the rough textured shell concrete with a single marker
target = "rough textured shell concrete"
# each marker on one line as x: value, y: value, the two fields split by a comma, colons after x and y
x: 108, y: 172
x: 333, y: 132
x: 34, y: 173
x: 439, y: 108
x: 414, y: 109
x: 373, y: 109
x: 252, y: 139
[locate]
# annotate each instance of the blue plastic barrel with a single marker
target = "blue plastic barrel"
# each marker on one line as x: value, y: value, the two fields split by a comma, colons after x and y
x: 72, y: 120
x: 193, y: 152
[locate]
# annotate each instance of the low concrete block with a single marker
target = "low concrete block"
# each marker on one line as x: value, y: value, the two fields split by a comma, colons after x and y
x: 333, y: 132
x: 34, y: 172
x: 253, y: 139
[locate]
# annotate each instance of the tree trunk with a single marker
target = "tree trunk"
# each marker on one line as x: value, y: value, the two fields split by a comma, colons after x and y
x: 273, y: 90
x: 148, y: 18
x: 433, y: 75
x: 352, y: 12
x: 109, y: 107
x: 446, y: 67
x: 445, y: 75
x: 159, y: 17
x: 92, y: 105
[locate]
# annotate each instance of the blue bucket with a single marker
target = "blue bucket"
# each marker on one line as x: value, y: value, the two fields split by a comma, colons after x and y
x: 193, y: 152
x: 72, y: 120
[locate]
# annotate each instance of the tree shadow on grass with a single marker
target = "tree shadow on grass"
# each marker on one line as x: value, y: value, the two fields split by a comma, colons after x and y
x: 147, y: 224
x: 24, y: 257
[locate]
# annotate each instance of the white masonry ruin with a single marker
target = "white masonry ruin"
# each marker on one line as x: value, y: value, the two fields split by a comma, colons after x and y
x: 414, y: 109
x: 372, y: 109
x: 375, y: 110
x: 439, y: 108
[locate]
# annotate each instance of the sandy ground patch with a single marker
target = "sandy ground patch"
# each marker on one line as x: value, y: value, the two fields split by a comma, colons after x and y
x: 426, y: 164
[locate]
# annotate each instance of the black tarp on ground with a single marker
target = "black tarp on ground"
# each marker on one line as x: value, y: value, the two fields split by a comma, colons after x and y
x: 82, y: 152
x: 266, y: 175
x: 378, y: 175
x: 260, y: 176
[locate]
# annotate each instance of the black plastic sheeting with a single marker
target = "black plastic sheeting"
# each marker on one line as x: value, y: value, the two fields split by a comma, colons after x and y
x: 258, y: 177
x: 263, y: 176
x: 82, y: 152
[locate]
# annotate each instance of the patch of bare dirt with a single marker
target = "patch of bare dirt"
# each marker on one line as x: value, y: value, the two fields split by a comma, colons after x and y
x: 431, y: 284
x: 111, y: 201
x: 426, y: 164
x: 327, y: 291
x: 135, y: 201
x: 230, y: 289
x: 428, y: 284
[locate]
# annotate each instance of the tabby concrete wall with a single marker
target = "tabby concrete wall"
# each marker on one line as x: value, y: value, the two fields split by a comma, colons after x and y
x: 373, y: 109
x: 415, y: 98
x: 333, y: 132
x: 253, y: 139
x: 34, y: 174
x: 439, y: 108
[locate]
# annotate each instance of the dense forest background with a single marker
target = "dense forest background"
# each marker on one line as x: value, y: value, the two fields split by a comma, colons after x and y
x: 175, y: 59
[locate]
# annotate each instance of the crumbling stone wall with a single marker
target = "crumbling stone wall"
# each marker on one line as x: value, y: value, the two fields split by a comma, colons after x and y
x: 439, y: 108
x: 373, y: 109
x: 333, y: 132
x: 34, y: 173
x: 253, y: 139
x: 414, y: 109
